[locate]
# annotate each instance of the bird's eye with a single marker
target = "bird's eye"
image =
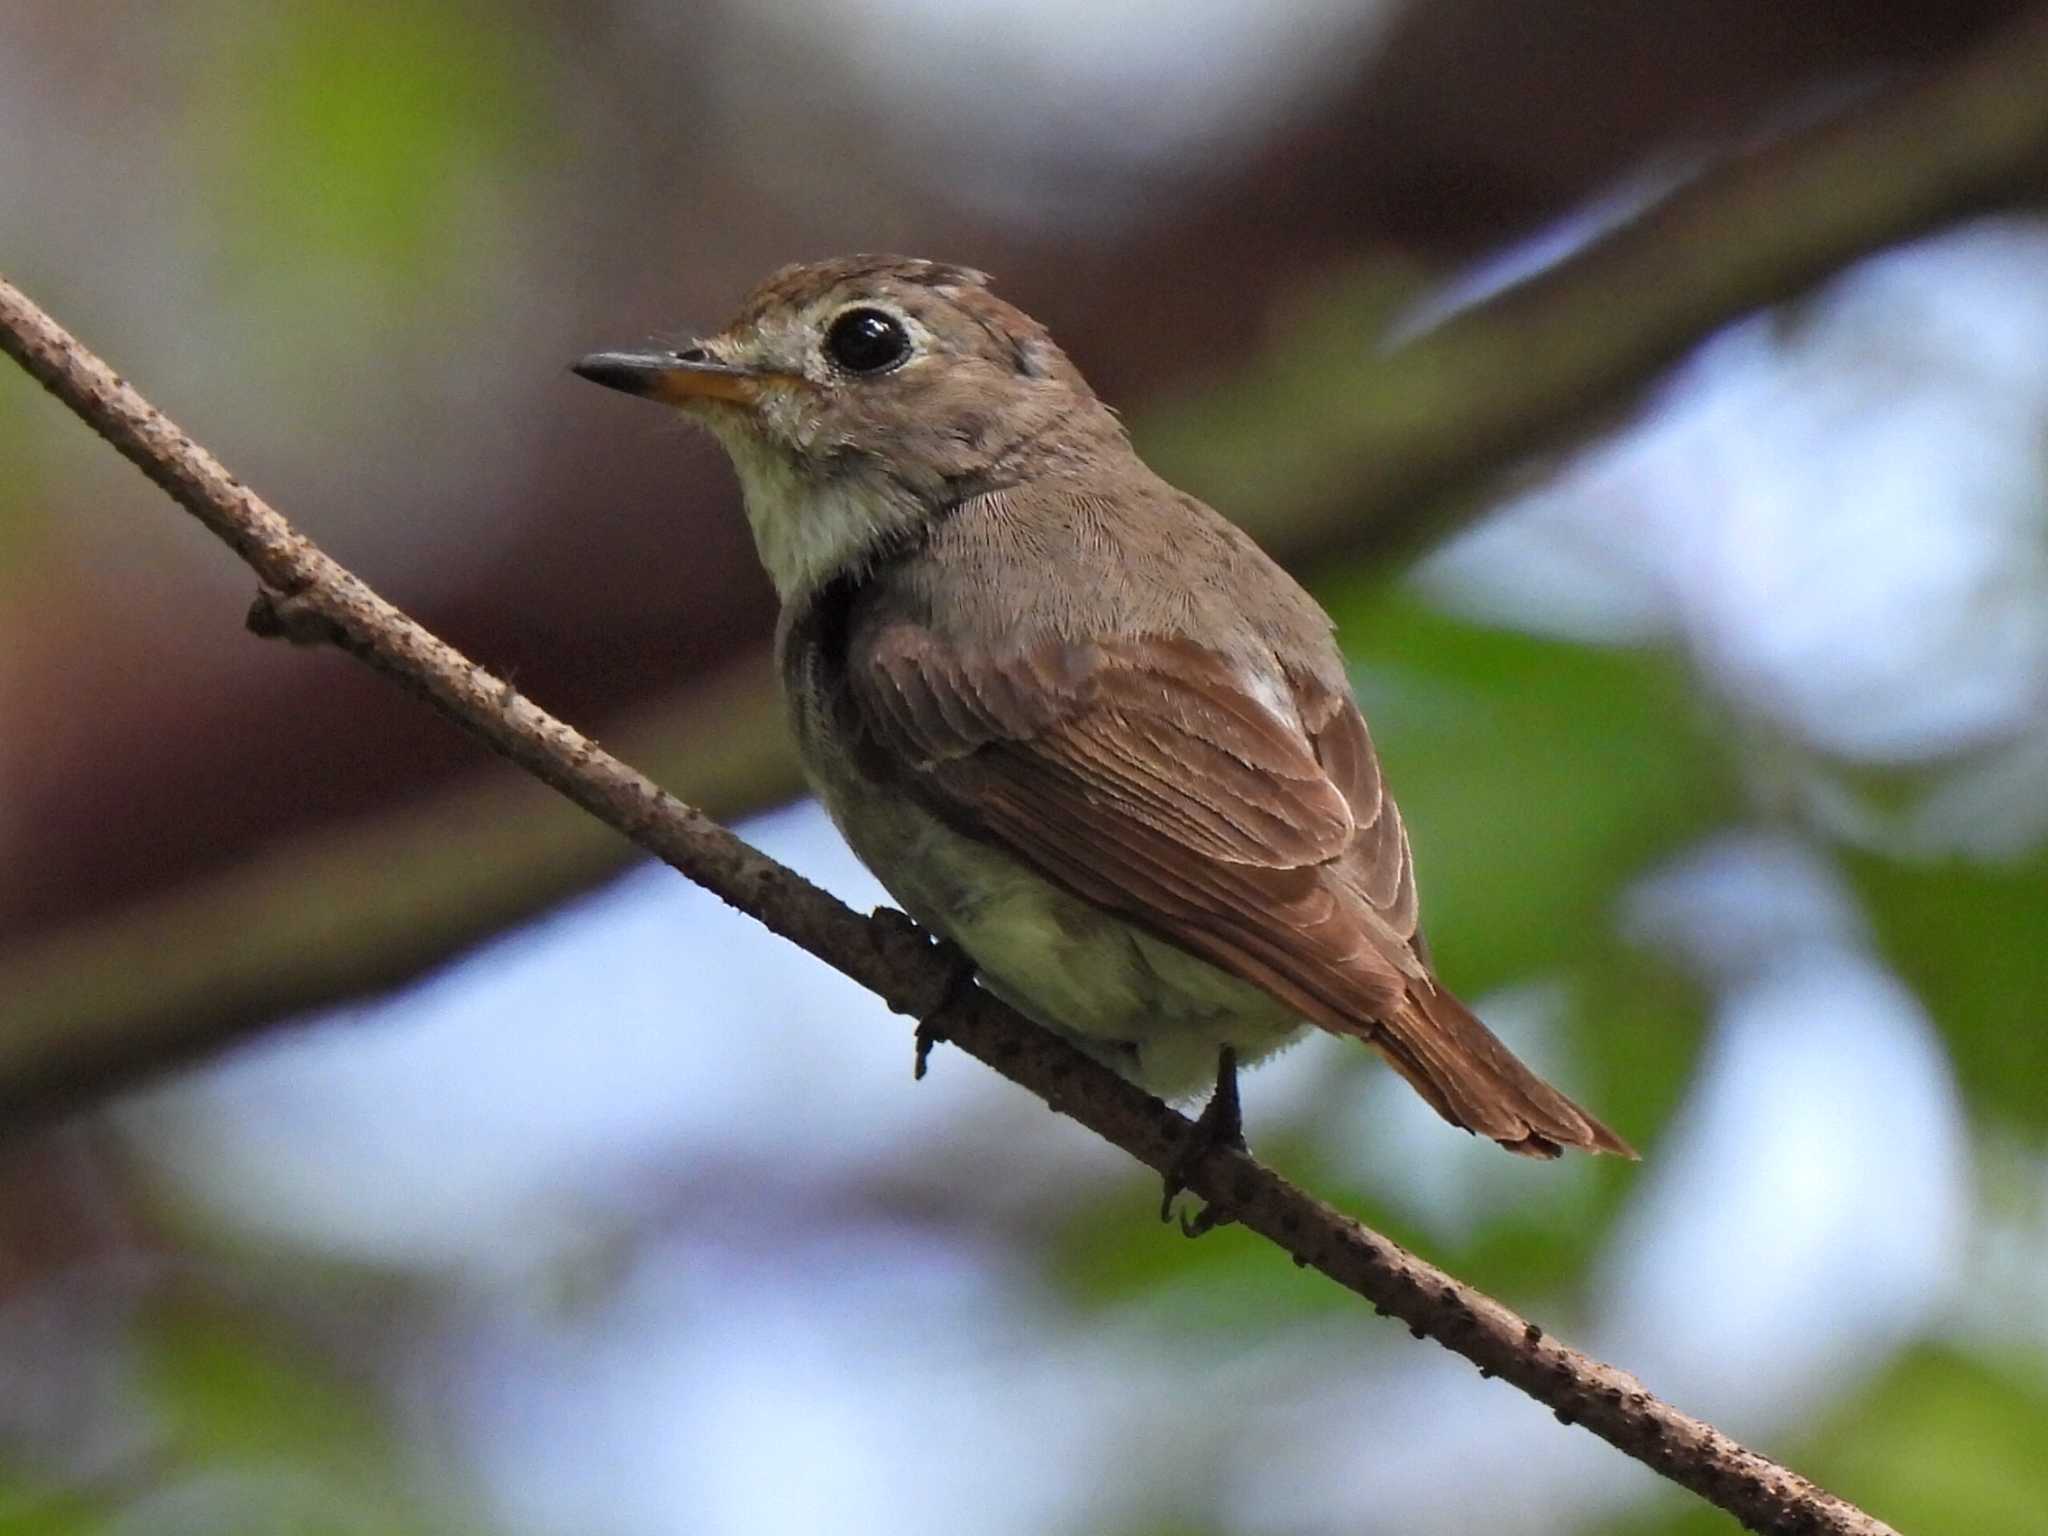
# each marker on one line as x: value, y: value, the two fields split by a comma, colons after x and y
x: 867, y: 341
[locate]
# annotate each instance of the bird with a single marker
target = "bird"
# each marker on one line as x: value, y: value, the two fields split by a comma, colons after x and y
x: 1077, y: 722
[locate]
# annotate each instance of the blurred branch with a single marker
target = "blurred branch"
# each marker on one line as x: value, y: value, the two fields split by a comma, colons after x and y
x: 343, y: 912
x: 308, y: 596
x: 1374, y: 456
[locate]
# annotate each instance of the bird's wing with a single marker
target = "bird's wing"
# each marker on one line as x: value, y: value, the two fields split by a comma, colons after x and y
x: 1146, y: 777
x: 1162, y: 781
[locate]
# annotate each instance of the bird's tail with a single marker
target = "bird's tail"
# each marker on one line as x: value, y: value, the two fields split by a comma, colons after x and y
x: 1472, y: 1080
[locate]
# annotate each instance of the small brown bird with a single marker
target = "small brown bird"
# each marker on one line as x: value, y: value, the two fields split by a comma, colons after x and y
x: 1074, y: 720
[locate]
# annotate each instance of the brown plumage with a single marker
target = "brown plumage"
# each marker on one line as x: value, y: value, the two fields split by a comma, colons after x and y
x: 1059, y: 706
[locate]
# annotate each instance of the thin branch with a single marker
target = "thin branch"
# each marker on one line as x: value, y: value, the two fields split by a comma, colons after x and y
x: 308, y: 596
x: 1381, y: 470
x: 1399, y: 455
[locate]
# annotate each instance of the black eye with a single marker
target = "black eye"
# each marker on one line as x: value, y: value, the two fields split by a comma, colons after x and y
x: 867, y: 341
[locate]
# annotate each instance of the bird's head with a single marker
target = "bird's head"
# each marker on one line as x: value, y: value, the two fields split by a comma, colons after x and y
x: 860, y: 397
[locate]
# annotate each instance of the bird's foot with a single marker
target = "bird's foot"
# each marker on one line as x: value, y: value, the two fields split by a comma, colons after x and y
x: 1221, y: 1124
x: 930, y: 1031
x: 898, y: 931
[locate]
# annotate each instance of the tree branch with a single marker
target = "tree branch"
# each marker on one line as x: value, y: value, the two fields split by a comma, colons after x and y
x: 308, y: 596
x: 1444, y: 414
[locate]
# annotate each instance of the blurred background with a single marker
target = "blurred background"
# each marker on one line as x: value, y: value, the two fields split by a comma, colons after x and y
x: 562, y: 1200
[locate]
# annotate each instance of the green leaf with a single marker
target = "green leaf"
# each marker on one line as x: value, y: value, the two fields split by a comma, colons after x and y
x: 25, y: 411
x: 227, y: 1393
x: 1972, y: 940
x: 29, y: 1509
x: 359, y: 144
x: 1109, y: 1253
x: 1536, y: 776
x: 296, y: 1445
x: 1942, y: 1442
x: 1945, y: 1442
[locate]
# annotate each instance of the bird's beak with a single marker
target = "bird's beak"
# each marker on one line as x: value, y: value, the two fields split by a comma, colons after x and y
x: 675, y: 378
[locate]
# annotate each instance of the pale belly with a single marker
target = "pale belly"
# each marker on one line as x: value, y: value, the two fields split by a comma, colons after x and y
x: 1148, y: 1009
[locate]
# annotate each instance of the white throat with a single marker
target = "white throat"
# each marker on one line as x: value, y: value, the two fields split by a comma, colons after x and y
x: 809, y: 530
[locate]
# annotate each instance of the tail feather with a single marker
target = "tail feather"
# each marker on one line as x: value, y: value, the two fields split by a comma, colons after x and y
x: 1472, y: 1080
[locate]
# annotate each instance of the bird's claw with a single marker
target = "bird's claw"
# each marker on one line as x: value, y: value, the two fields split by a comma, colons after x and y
x: 1221, y: 1124
x: 904, y: 944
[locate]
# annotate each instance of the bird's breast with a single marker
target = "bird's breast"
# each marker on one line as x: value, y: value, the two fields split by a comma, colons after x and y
x: 1141, y: 1005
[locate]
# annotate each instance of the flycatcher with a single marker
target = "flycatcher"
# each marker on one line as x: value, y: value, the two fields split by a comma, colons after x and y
x: 1074, y: 720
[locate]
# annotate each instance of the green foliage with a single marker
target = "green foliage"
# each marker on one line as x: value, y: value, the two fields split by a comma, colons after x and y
x: 1942, y: 1443
x: 253, y: 1436
x: 349, y: 143
x: 227, y: 1394
x: 1229, y: 1286
x: 27, y: 1509
x: 1972, y: 940
x: 22, y: 523
x: 1536, y: 776
x: 310, y: 1449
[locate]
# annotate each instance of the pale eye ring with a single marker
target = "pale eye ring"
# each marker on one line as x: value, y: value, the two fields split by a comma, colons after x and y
x: 867, y: 340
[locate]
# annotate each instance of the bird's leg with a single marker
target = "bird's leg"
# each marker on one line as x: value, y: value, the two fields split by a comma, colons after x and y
x: 930, y: 1031
x: 896, y: 932
x: 1221, y: 1124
